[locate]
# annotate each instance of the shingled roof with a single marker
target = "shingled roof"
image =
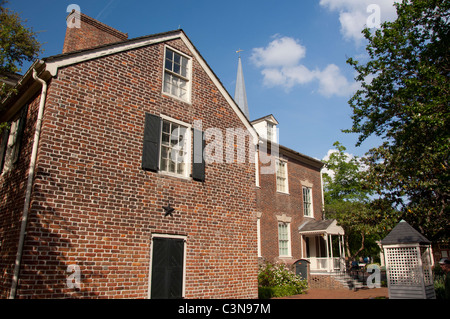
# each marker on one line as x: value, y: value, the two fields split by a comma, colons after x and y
x: 404, y: 233
x: 328, y: 226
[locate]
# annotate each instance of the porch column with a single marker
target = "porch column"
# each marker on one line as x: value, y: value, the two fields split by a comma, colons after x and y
x: 343, y: 247
x: 331, y: 249
x: 341, y: 260
x: 340, y: 246
x: 328, y: 252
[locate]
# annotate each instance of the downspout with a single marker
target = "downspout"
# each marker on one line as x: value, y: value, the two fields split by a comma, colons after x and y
x: 26, y: 206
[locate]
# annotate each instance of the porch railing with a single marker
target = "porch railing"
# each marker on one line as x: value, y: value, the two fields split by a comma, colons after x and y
x: 326, y: 263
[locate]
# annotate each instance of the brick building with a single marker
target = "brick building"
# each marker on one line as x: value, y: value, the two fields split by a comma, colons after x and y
x: 289, y: 201
x: 104, y: 190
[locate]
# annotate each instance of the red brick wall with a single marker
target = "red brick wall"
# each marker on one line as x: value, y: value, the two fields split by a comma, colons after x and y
x: 271, y: 203
x: 91, y: 33
x: 12, y: 197
x: 95, y: 207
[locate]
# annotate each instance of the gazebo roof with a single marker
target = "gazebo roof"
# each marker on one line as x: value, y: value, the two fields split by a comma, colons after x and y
x: 404, y: 233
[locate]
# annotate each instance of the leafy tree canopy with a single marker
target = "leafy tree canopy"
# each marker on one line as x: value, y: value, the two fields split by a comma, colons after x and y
x: 17, y: 44
x: 349, y: 200
x: 404, y: 98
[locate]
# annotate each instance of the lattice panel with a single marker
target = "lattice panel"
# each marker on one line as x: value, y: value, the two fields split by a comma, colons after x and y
x: 403, y: 264
x: 426, y: 264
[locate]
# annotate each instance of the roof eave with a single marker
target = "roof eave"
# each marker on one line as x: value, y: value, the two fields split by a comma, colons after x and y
x: 25, y: 88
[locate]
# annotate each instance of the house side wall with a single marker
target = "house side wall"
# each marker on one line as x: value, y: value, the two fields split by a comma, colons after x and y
x: 95, y: 208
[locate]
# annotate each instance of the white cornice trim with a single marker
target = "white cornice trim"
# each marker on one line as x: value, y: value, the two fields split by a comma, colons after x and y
x: 59, y: 62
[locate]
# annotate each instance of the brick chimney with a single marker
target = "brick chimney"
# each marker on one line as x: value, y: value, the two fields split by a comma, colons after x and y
x: 84, y: 32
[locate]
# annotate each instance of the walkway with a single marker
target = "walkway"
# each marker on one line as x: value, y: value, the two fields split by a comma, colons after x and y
x: 363, y: 293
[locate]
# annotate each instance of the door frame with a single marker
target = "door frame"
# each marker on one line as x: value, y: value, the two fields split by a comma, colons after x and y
x: 168, y: 236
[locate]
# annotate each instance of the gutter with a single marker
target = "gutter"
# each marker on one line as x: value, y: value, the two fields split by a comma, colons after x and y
x: 26, y: 206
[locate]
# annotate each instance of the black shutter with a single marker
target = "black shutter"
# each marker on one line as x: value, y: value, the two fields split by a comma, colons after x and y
x: 151, y: 148
x: 198, y: 167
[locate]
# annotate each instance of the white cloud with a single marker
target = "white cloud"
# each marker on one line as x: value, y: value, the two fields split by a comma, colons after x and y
x: 280, y: 64
x: 332, y: 82
x: 354, y: 15
x: 280, y: 52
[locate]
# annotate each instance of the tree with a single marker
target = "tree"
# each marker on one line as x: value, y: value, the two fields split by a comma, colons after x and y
x: 17, y: 44
x: 404, y: 98
x: 348, y: 200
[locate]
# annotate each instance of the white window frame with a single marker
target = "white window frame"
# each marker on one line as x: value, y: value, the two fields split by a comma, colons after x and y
x: 187, y: 78
x: 288, y: 240
x: 187, y: 147
x: 286, y: 183
x: 311, y: 210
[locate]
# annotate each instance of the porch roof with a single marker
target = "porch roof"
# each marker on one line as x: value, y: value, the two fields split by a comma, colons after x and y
x: 317, y: 227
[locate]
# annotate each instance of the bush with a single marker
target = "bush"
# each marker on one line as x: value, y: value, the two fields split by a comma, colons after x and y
x: 441, y: 282
x: 278, y: 281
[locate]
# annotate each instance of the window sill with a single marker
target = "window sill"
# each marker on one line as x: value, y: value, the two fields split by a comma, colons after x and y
x: 168, y: 95
x: 187, y: 178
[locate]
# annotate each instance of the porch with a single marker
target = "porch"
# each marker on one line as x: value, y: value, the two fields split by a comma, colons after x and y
x: 323, y: 246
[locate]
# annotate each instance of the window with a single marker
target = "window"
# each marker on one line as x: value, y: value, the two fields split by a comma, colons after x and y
x: 282, y: 185
x: 176, y: 75
x: 174, y: 146
x: 10, y: 142
x: 307, y: 201
x: 167, y: 147
x: 284, y: 242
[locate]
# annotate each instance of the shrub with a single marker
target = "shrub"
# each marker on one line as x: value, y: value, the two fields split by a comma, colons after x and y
x: 441, y: 282
x: 278, y: 281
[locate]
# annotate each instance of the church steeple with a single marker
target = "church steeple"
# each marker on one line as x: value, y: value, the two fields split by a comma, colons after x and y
x: 240, y: 96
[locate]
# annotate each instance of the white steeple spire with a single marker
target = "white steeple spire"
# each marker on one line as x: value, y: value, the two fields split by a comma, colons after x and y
x: 240, y: 96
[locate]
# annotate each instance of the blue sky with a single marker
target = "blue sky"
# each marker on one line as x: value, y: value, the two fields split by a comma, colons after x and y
x: 293, y: 59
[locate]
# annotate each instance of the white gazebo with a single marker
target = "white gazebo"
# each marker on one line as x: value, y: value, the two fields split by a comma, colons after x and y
x: 408, y: 260
x: 317, y: 245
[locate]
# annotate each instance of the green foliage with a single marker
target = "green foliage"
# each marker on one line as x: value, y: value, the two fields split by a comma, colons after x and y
x: 404, y: 98
x: 441, y: 283
x: 348, y: 199
x: 345, y: 184
x: 278, y: 281
x: 17, y: 44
